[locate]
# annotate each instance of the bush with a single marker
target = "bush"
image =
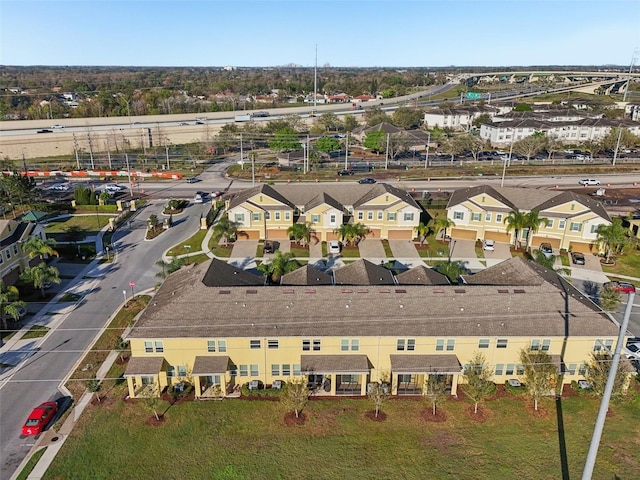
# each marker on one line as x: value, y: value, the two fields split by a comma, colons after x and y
x: 515, y: 390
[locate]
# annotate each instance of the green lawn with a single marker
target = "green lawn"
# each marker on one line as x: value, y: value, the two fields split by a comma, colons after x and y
x: 36, y: 331
x: 627, y: 264
x: 194, y: 242
x: 89, y: 223
x: 236, y: 439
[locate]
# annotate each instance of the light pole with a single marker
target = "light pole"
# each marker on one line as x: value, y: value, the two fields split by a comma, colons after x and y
x: 108, y: 255
x: 124, y: 294
x: 426, y: 158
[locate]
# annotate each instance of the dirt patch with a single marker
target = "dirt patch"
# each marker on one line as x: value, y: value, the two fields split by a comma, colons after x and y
x: 258, y: 398
x: 568, y: 391
x: 371, y: 415
x: 152, y: 421
x: 540, y: 413
x: 481, y: 416
x: 445, y: 443
x: 290, y: 419
x: 501, y: 392
x: 428, y: 416
x: 122, y: 360
x: 190, y: 397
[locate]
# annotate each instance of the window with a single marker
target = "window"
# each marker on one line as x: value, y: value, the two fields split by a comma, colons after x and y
x: 254, y: 344
x: 315, y: 218
x: 549, y: 223
x: 296, y: 369
x: 439, y: 344
x: 498, y: 218
x: 510, y: 368
x: 502, y: 343
x: 159, y: 346
x: 391, y: 216
x: 287, y: 215
x: 255, y: 217
x: 222, y: 346
x: 171, y: 371
x: 408, y: 217
x: 316, y: 345
x: 272, y: 344
x: 571, y: 368
x: 475, y: 217
x: 275, y: 369
x: 277, y: 217
x: 360, y: 215
x: 15, y: 249
x: 345, y: 342
x: 211, y: 345
x: 404, y: 378
x: 546, y: 344
x: 458, y: 215
x: 575, y: 227
x: 7, y: 252
x: 561, y: 224
x: 286, y: 369
x: 451, y: 344
x: 233, y: 370
x: 344, y: 345
x: 499, y: 368
x: 254, y: 370
x: 306, y: 345
x: 244, y: 371
x: 400, y: 345
x: 519, y: 369
x: 239, y: 218
x: 411, y: 345
x: 487, y: 217
x: 355, y: 345
x: 369, y: 215
x: 583, y: 369
x: 332, y: 219
x: 182, y: 371
x: 380, y: 215
x: 594, y: 228
x: 535, y: 345
x: 267, y: 215
x: 483, y: 343
x: 602, y: 345
x: 148, y: 347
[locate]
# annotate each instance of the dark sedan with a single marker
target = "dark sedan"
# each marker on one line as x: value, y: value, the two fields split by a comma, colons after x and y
x: 577, y: 258
x: 366, y: 180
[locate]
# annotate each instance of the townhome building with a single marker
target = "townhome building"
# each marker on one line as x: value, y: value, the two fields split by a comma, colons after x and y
x: 480, y: 213
x: 13, y: 259
x: 345, y: 335
x: 267, y: 211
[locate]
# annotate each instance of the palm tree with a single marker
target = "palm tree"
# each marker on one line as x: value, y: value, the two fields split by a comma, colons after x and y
x: 422, y: 230
x: 40, y: 276
x: 9, y: 304
x: 346, y: 232
x: 533, y: 221
x: 37, y: 247
x: 300, y: 231
x: 360, y: 230
x: 549, y: 262
x: 516, y: 220
x: 280, y: 264
x: 451, y: 270
x: 613, y: 237
x: 225, y: 228
x: 443, y: 223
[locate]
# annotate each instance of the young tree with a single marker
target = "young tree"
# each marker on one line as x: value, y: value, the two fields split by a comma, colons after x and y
x: 552, y: 144
x: 10, y: 306
x: 610, y: 299
x: 350, y: 122
x: 477, y: 375
x: 480, y: 120
x: 375, y: 141
x: 327, y: 144
x: 330, y: 122
x: 295, y: 395
x: 300, y: 231
x: 280, y: 264
x: 35, y: 246
x: 168, y: 268
x: 471, y: 143
x: 406, y: 118
x: 539, y: 374
x: 435, y: 389
x: 532, y: 223
x: 597, y: 373
x: 529, y: 146
x: 285, y: 139
x: 121, y: 346
x: 378, y: 393
x: 75, y: 234
x: 40, y: 275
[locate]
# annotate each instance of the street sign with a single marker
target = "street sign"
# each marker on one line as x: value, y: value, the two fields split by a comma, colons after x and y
x: 132, y: 284
x: 474, y: 95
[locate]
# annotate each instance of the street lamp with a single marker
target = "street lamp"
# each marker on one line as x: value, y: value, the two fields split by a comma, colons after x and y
x: 124, y: 294
x: 188, y: 249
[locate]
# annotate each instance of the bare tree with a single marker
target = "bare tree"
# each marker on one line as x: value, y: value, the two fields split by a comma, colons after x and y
x: 435, y: 389
x: 296, y: 395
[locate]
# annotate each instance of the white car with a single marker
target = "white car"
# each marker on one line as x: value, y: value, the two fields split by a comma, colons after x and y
x: 489, y: 245
x: 632, y: 351
x: 334, y: 247
x: 57, y: 125
x: 589, y: 182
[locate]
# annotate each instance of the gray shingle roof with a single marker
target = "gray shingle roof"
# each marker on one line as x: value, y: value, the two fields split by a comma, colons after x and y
x: 334, y: 364
x: 421, y: 275
x: 363, y: 272
x: 323, y: 198
x: 512, y: 272
x: 144, y: 366
x: 445, y: 363
x: 265, y: 189
x: 210, y: 365
x: 306, y: 275
x: 223, y: 274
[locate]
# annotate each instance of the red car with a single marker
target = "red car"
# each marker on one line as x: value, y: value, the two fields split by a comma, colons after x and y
x: 623, y: 287
x: 39, y: 418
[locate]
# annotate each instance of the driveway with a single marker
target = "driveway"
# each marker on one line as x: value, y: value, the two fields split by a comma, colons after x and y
x: 244, y: 248
x: 501, y: 253
x: 372, y: 249
x: 591, y: 271
x: 403, y: 249
x: 464, y: 251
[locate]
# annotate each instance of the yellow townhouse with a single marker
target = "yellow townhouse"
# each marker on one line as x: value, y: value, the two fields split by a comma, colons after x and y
x: 13, y: 260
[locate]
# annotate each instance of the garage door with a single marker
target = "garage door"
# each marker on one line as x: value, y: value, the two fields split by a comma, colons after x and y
x: 466, y: 234
x: 374, y: 233
x: 400, y: 234
x: 580, y: 247
x: 248, y: 235
x: 277, y: 233
x: 555, y: 242
x: 332, y: 236
x: 498, y: 237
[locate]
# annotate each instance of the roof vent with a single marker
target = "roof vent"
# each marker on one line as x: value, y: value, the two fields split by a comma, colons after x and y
x: 224, y: 292
x: 438, y: 290
x: 503, y: 290
x: 386, y: 290
x: 310, y: 291
x: 288, y: 290
x: 518, y: 290
x: 346, y: 306
x: 347, y: 290
x: 252, y: 292
x: 400, y: 290
x: 362, y: 290
x: 460, y: 290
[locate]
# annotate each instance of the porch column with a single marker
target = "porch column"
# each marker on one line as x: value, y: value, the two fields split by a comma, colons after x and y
x: 394, y: 384
x: 223, y: 385
x: 196, y: 386
x: 454, y: 384
x: 334, y: 382
x: 363, y: 384
x: 132, y: 389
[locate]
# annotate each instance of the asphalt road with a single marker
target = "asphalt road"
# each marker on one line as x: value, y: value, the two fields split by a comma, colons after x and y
x: 37, y: 378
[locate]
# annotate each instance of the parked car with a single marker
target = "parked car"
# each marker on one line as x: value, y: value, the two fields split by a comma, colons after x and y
x: 39, y: 418
x: 622, y: 287
x: 344, y: 173
x: 366, y: 180
x: 589, y: 182
x: 198, y: 199
x: 632, y: 351
x: 278, y: 384
x: 270, y: 246
x: 577, y: 258
x: 182, y: 124
x: 489, y: 245
x: 546, y: 249
x: 334, y: 247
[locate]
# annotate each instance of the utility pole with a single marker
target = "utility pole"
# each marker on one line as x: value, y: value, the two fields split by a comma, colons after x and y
x: 166, y: 151
x: 633, y: 61
x: 90, y: 150
x: 315, y: 80
x: 241, y: 153
x: 126, y: 158
x: 108, y: 153
x: 75, y: 148
x: 24, y: 164
x: 307, y: 150
x: 386, y: 155
x: 426, y: 158
x: 615, y: 152
x: 346, y: 154
x: 253, y: 169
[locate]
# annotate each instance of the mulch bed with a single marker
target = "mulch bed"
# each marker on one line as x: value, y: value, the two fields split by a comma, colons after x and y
x: 371, y: 415
x: 152, y: 421
x: 122, y: 360
x: 481, y: 416
x: 428, y: 416
x: 265, y: 398
x: 290, y: 419
x: 568, y: 391
x: 540, y: 413
x: 501, y: 392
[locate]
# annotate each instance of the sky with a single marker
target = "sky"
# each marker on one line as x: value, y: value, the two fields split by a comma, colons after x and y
x: 350, y: 33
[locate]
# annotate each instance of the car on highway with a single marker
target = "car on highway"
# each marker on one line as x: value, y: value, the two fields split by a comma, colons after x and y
x: 182, y: 124
x: 366, y: 180
x: 622, y: 287
x: 193, y: 180
x: 39, y: 418
x: 588, y: 182
x: 489, y: 245
x: 57, y: 125
x: 577, y: 258
x: 344, y: 173
x: 45, y: 130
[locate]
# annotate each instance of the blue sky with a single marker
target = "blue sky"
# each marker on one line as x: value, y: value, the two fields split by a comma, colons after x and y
x: 418, y: 33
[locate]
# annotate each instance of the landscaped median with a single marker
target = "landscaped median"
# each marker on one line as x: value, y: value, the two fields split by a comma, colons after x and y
x: 244, y: 440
